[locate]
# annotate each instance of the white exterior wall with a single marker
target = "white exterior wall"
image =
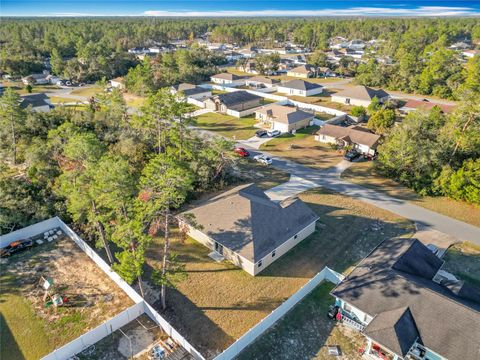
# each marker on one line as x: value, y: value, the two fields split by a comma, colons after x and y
x: 362, y: 316
x: 289, y: 91
x: 239, y: 82
x: 326, y: 139
x: 256, y: 83
x: 285, y: 247
x: 299, y: 75
x: 201, y: 95
x: 280, y: 126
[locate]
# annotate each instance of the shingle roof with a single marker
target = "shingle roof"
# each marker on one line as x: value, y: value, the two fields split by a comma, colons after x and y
x: 236, y: 97
x: 285, y: 114
x: 427, y: 105
x: 227, y: 76
x: 392, y: 277
x: 263, y: 79
x: 355, y: 134
x: 36, y: 100
x: 395, y: 329
x: 247, y: 222
x: 189, y: 89
x: 301, y: 85
x: 302, y: 69
x: 361, y: 92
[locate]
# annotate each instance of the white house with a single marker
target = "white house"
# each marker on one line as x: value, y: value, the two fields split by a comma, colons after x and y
x: 37, y: 102
x: 118, y: 83
x: 359, y: 95
x: 244, y: 226
x: 185, y: 90
x: 228, y: 79
x: 360, y: 138
x: 261, y: 82
x: 300, y: 88
x: 36, y: 79
x: 283, y: 118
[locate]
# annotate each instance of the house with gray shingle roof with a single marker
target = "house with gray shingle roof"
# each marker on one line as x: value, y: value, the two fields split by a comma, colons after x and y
x: 300, y: 88
x: 246, y: 227
x: 185, y: 90
x: 234, y: 103
x: 37, y: 102
x: 228, y: 79
x: 399, y: 298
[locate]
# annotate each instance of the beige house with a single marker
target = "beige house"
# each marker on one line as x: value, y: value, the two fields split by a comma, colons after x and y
x: 236, y: 101
x: 360, y: 96
x: 228, y: 79
x: 360, y: 138
x: 302, y: 71
x: 283, y: 118
x: 244, y: 226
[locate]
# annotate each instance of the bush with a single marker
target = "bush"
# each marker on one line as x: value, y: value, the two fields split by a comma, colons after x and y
x: 359, y: 111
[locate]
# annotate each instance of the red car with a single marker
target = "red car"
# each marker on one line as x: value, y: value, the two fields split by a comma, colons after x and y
x: 241, y: 151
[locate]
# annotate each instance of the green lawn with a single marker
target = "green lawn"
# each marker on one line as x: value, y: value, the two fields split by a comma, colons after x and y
x: 364, y: 173
x: 228, y: 126
x: 463, y: 260
x: 62, y: 100
x: 304, y: 333
x: 288, y: 137
x: 87, y: 91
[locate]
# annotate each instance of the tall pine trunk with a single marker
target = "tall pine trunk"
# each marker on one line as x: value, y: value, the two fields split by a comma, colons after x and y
x: 103, y: 235
x: 14, y: 142
x: 165, y: 258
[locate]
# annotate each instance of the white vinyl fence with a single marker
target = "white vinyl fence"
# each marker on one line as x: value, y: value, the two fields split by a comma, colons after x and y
x: 196, y: 102
x: 112, y: 324
x: 251, y: 335
x: 239, y: 114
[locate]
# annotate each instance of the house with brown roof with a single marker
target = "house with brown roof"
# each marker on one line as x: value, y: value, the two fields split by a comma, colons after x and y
x: 359, y: 95
x: 359, y: 138
x: 408, y: 307
x: 426, y: 105
x: 261, y: 82
x: 302, y: 71
x: 246, y: 227
x: 283, y: 118
x: 228, y: 79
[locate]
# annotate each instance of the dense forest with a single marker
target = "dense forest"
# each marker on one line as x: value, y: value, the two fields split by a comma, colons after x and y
x: 85, y: 49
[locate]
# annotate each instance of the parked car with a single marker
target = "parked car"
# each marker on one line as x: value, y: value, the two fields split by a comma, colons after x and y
x: 16, y: 246
x: 261, y: 133
x: 263, y: 159
x: 274, y: 133
x: 351, y: 155
x: 241, y: 151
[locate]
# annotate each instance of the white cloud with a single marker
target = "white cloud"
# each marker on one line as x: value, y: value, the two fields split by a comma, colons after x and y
x: 358, y: 11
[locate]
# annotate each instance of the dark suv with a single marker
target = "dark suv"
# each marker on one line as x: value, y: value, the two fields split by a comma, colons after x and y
x: 261, y: 133
x: 351, y: 155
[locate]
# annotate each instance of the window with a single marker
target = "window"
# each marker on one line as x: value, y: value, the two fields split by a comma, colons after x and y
x: 273, y: 253
x: 347, y: 101
x: 295, y: 237
x: 260, y: 263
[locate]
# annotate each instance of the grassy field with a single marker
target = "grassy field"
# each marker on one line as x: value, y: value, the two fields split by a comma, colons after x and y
x: 87, y: 91
x: 19, y: 87
x: 363, y: 173
x: 226, y: 125
x: 219, y: 302
x: 308, y: 331
x: 62, y: 100
x: 29, y: 329
x: 304, y: 149
x: 463, y: 260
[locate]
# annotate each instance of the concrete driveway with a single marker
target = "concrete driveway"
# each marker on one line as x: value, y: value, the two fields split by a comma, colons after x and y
x: 254, y: 142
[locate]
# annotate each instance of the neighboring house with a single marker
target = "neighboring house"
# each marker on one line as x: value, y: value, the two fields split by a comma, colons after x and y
x: 325, y: 72
x: 359, y: 95
x: 283, y: 118
x: 247, y: 53
x: 407, y: 307
x: 247, y: 228
x: 360, y: 138
x: 470, y: 53
x: 413, y: 105
x: 248, y: 67
x: 138, y: 50
x: 302, y: 71
x: 356, y: 45
x: 118, y: 83
x: 261, y: 82
x: 190, y: 91
x: 300, y: 88
x: 38, y: 102
x: 233, y: 56
x: 36, y: 79
x: 236, y: 100
x: 460, y: 46
x: 228, y: 79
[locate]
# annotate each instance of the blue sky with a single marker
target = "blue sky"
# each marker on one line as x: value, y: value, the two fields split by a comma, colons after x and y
x: 238, y: 8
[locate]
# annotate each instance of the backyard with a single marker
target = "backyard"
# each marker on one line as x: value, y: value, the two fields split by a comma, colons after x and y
x: 304, y: 149
x: 463, y: 260
x: 305, y: 332
x: 87, y: 91
x: 31, y: 328
x: 364, y: 173
x: 226, y: 125
x: 218, y: 302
